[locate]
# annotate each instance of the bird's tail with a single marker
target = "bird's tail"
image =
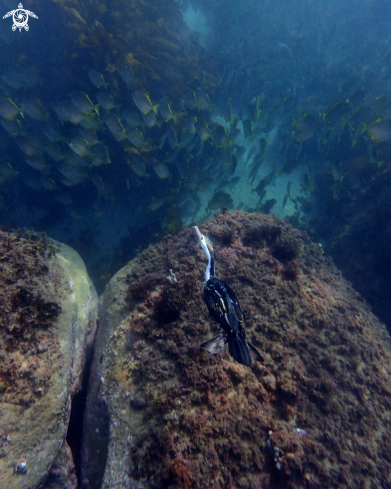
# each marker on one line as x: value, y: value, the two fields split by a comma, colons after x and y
x: 238, y: 349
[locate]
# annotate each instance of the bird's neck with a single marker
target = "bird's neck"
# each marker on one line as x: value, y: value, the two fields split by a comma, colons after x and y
x: 210, y: 268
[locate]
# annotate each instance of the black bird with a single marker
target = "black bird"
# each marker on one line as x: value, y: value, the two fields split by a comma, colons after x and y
x: 224, y: 307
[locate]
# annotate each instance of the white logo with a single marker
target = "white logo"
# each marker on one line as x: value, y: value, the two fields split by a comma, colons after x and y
x: 20, y: 16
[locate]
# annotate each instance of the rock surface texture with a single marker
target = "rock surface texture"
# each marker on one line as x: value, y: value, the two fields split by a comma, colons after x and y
x: 48, y: 306
x: 163, y: 413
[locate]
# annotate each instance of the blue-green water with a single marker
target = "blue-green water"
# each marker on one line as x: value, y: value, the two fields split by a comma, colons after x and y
x: 126, y: 120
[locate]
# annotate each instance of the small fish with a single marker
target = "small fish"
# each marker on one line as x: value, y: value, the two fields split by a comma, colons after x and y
x: 71, y: 172
x: 149, y: 119
x: 103, y: 189
x: 233, y: 164
x: 156, y: 204
x: 380, y: 130
x: 268, y: 205
x: 136, y: 138
x: 143, y: 102
x: 48, y: 184
x: 37, y: 162
x: 13, y: 127
x: 52, y: 131
x: 12, y: 79
x: 172, y: 138
x: 189, y: 100
x: 75, y: 14
x: 30, y: 78
x: 251, y: 153
x: 335, y: 113
x: 72, y: 181
x: 127, y: 75
x: 76, y: 160
x: 247, y: 129
x: 32, y: 181
x: 221, y: 137
x: 286, y: 196
x: 202, y: 131
x: 97, y: 79
x: 240, y: 151
x: 89, y: 135
x: 100, y: 156
x: 264, y: 183
x: 289, y: 166
x: 190, y: 123
x: 233, y: 129
x: 68, y: 112
x: 61, y: 114
x: 171, y: 156
x: 139, y: 168
x: 131, y: 118
x: 72, y: 113
x: 33, y: 108
x: 226, y: 112
x: 162, y: 170
x: 7, y: 172
x: 364, y: 115
x: 186, y: 138
x: 255, y: 166
x: 91, y: 121
x: 182, y: 166
x: 228, y: 182
x: 220, y: 200
x: 165, y: 111
x: 8, y: 110
x: 358, y: 97
x: 53, y: 151
x: 115, y: 126
x: 305, y: 127
x: 83, y: 103
x: 106, y: 101
x: 80, y: 146
x: 204, y: 183
x: 202, y: 99
x: 262, y: 146
x: 29, y: 145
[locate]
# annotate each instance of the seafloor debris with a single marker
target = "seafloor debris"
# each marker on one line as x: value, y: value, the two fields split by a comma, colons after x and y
x: 47, y: 308
x: 171, y: 277
x: 323, y: 391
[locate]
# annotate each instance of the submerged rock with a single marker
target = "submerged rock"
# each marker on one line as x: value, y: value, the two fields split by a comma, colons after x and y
x: 163, y: 413
x: 48, y: 306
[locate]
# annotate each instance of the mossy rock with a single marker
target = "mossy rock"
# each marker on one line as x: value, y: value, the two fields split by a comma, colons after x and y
x: 163, y: 413
x: 48, y: 308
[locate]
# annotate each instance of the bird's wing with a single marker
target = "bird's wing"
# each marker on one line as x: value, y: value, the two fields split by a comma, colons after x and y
x: 9, y: 14
x: 31, y: 14
x: 215, y: 344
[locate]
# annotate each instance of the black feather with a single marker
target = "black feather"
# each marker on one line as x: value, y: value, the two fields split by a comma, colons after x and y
x: 238, y: 349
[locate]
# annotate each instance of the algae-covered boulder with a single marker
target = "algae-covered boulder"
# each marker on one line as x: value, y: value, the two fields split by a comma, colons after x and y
x: 163, y: 413
x: 48, y: 306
